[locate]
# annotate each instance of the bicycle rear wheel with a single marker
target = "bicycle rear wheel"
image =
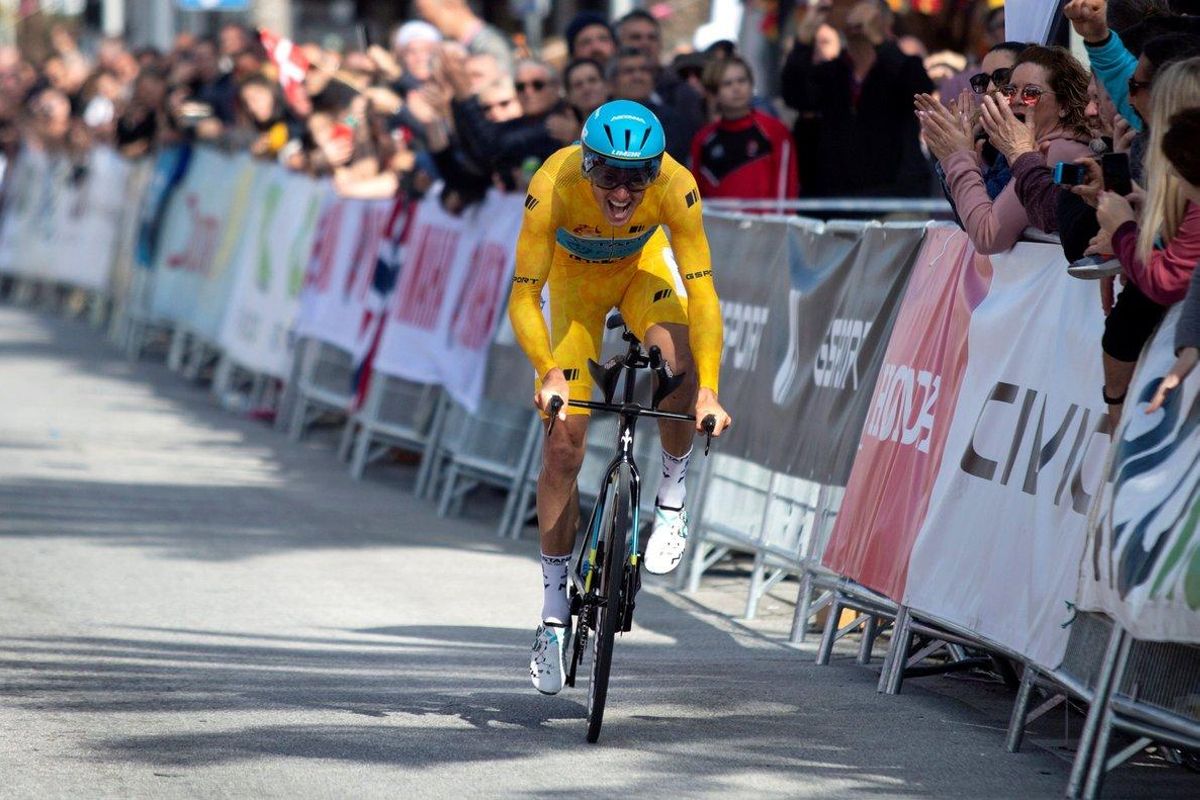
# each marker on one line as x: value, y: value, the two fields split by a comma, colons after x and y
x: 614, y: 533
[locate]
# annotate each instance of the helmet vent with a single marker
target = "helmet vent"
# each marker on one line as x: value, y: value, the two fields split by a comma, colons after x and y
x: 645, y: 138
x: 608, y: 131
x: 628, y: 134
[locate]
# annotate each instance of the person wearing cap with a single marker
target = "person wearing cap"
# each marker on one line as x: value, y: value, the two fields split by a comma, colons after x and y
x: 588, y: 35
x: 593, y: 233
x: 415, y: 45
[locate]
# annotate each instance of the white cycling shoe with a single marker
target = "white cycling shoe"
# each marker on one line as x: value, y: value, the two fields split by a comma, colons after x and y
x: 547, y: 668
x: 667, y: 541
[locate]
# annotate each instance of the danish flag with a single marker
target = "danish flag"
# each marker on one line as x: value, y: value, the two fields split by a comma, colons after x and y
x: 290, y: 62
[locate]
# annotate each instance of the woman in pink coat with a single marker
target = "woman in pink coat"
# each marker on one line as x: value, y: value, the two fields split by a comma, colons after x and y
x: 1048, y: 90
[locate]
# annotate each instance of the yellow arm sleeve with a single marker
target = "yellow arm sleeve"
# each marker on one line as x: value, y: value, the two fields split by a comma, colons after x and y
x: 535, y: 252
x: 681, y: 213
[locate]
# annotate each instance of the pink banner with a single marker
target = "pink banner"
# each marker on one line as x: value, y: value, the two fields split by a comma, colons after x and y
x: 911, y: 410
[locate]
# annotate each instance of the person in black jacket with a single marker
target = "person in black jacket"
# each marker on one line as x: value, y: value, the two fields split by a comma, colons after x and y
x: 856, y: 134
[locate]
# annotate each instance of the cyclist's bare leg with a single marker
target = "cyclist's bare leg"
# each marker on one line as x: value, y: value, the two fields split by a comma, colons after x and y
x: 672, y: 339
x: 558, y: 493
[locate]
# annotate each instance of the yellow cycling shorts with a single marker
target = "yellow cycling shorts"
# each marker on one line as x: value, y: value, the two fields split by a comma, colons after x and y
x: 645, y: 290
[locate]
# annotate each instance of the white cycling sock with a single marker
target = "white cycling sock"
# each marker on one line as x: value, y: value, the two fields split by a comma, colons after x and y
x: 671, y: 492
x: 555, y: 605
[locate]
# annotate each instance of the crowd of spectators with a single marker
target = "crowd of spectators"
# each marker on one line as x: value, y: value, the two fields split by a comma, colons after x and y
x: 450, y: 97
x: 453, y: 99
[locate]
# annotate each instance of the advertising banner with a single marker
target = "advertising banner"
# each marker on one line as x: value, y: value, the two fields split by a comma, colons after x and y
x: 416, y: 332
x: 200, y: 230
x: 911, y: 408
x: 61, y: 218
x: 1002, y: 538
x: 29, y: 199
x: 805, y: 330
x: 272, y: 257
x: 1142, y: 562
x: 343, y: 302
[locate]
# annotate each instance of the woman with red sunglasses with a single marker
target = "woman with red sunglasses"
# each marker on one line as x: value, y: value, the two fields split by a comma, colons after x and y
x: 1048, y: 90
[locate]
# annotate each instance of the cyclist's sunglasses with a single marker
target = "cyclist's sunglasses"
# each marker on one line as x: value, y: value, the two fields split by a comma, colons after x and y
x: 1030, y: 95
x: 637, y: 178
x: 998, y: 77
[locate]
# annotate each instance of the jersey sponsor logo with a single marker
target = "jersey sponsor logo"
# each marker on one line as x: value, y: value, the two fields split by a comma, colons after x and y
x: 694, y: 275
x: 662, y: 294
x: 636, y: 228
x: 571, y: 374
x: 692, y: 197
x: 1055, y: 438
x: 599, y: 249
x: 589, y: 231
x: 744, y: 326
x: 531, y: 202
x: 523, y: 279
x: 837, y: 359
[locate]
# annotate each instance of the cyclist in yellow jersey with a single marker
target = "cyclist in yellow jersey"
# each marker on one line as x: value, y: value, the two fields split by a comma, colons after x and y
x: 593, y: 232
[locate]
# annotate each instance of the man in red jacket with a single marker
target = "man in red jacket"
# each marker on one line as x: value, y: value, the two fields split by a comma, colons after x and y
x: 745, y: 154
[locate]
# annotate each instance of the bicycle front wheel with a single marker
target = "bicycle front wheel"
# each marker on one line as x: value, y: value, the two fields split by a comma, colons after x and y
x: 613, y: 535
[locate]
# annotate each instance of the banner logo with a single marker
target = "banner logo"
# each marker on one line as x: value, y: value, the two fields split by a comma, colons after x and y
x: 837, y: 360
x: 744, y: 324
x: 904, y: 405
x: 197, y: 254
x: 1033, y: 429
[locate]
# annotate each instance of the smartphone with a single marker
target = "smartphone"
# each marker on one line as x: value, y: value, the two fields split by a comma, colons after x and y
x: 1115, y: 169
x: 1068, y: 174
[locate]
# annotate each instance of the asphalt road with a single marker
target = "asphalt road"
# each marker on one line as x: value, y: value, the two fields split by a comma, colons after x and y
x: 192, y: 606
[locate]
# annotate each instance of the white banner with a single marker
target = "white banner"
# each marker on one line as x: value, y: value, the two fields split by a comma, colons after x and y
x: 200, y: 232
x: 999, y: 548
x: 450, y: 293
x: 1142, y: 564
x: 61, y: 218
x: 272, y: 257
x: 1029, y: 20
x: 341, y: 305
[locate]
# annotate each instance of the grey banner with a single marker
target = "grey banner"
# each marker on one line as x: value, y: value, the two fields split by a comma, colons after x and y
x: 808, y: 311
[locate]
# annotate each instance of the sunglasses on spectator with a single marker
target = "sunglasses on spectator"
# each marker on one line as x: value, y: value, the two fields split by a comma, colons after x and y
x: 1136, y: 86
x: 998, y: 77
x: 536, y: 84
x: 1030, y: 95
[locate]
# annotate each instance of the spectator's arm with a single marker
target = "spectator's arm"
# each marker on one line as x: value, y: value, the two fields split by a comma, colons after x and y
x: 1165, y: 277
x: 476, y: 133
x: 1187, y: 332
x: 992, y: 226
x: 1037, y: 191
x: 796, y: 81
x: 1113, y: 65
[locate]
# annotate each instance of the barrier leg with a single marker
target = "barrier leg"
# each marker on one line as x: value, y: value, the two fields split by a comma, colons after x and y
x: 347, y: 439
x: 430, y: 458
x: 368, y: 414
x: 447, y: 497
x: 178, y: 348
x: 525, y: 504
x: 299, y: 419
x: 1084, y: 752
x: 1098, y: 763
x: 893, y: 674
x: 756, y: 585
x: 515, y: 487
x: 868, y: 640
x: 223, y: 378
x: 799, y: 632
x: 829, y: 635
x: 1020, y: 712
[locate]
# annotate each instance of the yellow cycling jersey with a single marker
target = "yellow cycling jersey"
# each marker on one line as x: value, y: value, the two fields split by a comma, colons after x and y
x: 565, y: 238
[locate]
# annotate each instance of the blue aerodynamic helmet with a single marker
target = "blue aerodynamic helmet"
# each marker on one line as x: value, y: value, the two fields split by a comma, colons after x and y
x: 623, y: 142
